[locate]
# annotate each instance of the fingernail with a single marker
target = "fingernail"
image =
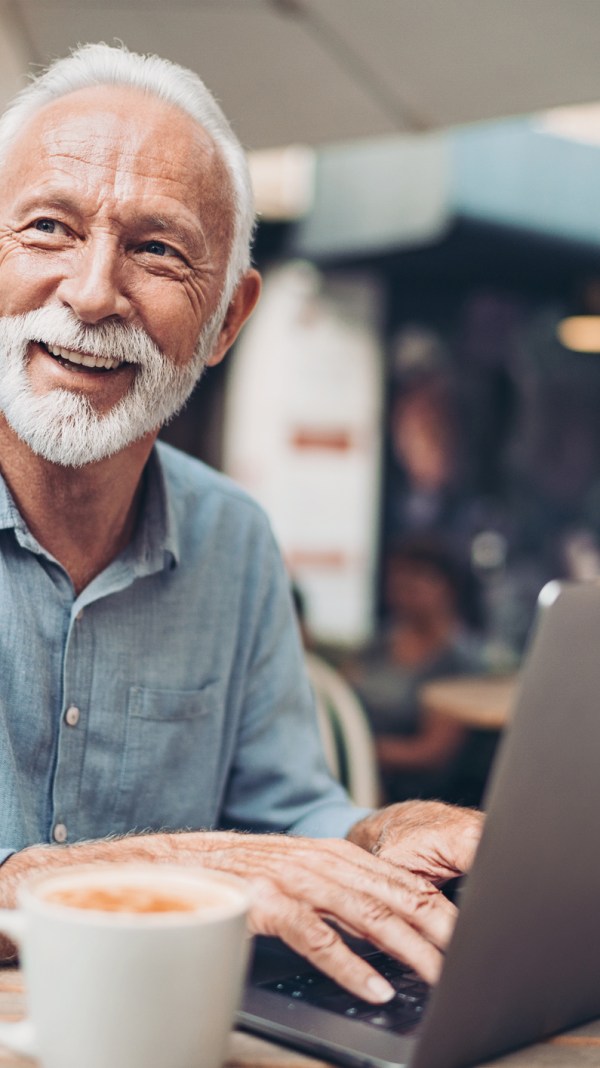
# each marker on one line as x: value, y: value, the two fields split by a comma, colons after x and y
x: 380, y: 988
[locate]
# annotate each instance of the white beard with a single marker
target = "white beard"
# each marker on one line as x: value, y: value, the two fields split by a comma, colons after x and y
x: 62, y: 425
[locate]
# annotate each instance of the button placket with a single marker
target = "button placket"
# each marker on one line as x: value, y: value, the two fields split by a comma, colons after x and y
x: 71, y: 738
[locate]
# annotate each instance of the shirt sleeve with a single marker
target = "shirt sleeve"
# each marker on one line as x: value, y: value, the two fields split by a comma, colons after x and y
x: 279, y: 780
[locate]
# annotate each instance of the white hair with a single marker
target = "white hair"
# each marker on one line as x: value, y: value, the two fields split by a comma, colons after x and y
x: 101, y: 64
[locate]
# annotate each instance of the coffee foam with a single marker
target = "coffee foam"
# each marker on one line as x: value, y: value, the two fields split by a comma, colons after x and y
x: 133, y: 898
x: 140, y: 890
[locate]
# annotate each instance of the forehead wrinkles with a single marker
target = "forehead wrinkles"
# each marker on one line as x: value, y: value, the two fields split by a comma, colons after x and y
x: 110, y: 147
x: 126, y: 175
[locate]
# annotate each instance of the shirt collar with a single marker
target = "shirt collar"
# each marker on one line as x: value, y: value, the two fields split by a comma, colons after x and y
x: 156, y: 543
x: 10, y: 517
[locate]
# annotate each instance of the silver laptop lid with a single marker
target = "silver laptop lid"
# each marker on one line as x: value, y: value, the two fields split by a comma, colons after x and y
x: 525, y: 958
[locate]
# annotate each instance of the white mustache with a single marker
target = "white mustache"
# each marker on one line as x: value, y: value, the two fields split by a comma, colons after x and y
x: 57, y: 326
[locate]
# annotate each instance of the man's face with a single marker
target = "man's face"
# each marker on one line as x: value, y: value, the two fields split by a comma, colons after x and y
x: 115, y: 222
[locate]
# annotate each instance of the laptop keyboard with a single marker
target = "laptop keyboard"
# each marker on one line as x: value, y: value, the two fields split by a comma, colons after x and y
x: 401, y: 1015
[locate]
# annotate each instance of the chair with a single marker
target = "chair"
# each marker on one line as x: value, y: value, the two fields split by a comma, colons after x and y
x: 346, y: 733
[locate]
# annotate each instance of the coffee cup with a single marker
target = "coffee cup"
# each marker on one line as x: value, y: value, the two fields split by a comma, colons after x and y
x: 129, y: 966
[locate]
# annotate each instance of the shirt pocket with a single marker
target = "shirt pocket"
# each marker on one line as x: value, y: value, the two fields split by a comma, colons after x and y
x: 169, y: 767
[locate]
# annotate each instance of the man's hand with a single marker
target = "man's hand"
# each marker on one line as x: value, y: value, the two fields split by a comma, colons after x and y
x: 385, y: 891
x: 299, y: 884
x: 429, y: 838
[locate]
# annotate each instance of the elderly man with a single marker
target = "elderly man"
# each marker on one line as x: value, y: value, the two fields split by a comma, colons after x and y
x: 153, y: 703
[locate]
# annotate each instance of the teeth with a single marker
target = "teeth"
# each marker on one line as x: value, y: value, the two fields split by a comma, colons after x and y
x: 103, y: 362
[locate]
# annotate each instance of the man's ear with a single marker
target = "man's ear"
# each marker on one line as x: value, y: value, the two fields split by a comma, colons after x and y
x: 241, y: 307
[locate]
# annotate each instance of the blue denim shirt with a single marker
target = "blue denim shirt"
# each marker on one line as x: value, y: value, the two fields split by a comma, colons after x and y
x: 171, y: 692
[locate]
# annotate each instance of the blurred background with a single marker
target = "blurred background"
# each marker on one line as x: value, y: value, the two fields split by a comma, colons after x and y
x: 416, y: 401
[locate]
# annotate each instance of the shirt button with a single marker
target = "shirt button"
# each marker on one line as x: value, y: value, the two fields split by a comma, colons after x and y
x: 72, y: 716
x: 59, y: 833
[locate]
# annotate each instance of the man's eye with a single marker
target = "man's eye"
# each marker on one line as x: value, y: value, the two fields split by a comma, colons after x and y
x: 158, y: 248
x: 47, y: 226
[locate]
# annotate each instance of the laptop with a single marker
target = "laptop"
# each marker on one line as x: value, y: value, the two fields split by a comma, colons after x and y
x: 524, y: 960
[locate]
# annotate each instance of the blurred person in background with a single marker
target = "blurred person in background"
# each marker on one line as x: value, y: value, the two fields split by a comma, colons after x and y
x: 427, y: 477
x: 432, y: 617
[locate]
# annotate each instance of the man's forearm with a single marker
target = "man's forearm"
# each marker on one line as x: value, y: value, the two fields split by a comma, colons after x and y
x: 184, y: 848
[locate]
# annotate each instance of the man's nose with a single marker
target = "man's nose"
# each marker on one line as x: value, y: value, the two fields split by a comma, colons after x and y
x: 93, y: 287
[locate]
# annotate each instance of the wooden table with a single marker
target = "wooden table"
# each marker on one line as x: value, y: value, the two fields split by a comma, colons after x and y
x: 578, y: 1049
x: 484, y: 702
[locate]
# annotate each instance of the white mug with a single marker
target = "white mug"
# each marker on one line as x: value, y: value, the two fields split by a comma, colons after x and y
x: 129, y: 989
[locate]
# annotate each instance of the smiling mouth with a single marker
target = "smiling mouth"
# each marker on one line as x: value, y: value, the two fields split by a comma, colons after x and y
x: 81, y: 361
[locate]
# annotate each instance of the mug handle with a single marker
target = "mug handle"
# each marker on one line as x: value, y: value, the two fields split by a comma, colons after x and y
x: 18, y: 1036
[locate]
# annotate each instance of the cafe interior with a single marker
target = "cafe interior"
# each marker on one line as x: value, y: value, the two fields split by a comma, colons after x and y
x: 412, y: 401
x: 416, y: 400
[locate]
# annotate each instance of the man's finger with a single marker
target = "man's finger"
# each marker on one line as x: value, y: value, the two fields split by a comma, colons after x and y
x: 307, y: 934
x: 381, y: 909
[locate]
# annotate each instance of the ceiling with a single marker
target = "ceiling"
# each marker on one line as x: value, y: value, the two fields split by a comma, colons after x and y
x: 318, y: 71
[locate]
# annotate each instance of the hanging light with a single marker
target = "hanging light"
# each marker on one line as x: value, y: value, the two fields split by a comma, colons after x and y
x: 581, y: 332
x: 283, y: 181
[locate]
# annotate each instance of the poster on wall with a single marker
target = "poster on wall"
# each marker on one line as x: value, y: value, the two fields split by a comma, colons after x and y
x: 302, y: 435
